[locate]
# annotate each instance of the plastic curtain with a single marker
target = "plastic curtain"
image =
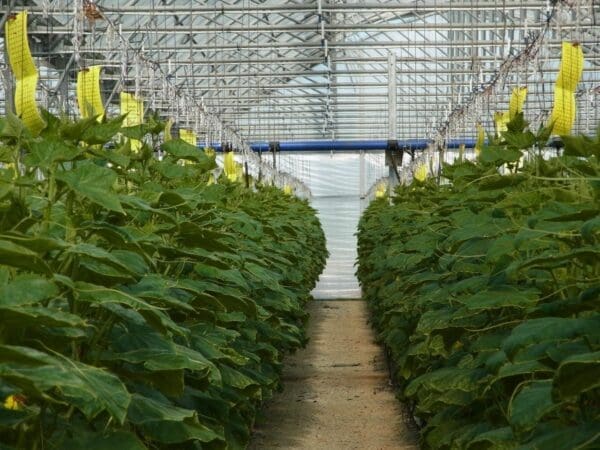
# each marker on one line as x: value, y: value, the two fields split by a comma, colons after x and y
x: 26, y: 74
x: 89, y: 98
x: 569, y: 74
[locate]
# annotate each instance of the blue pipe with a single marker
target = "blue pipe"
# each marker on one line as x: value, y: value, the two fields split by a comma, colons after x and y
x: 349, y: 146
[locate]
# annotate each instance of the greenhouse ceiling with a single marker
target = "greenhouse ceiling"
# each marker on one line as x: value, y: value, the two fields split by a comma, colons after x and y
x: 298, y: 70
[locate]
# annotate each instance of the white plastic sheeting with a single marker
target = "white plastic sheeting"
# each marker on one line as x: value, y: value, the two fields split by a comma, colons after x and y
x: 334, y: 180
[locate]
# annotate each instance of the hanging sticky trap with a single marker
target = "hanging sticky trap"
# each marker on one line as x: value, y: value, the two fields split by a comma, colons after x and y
x: 479, y: 143
x: 381, y: 190
x: 188, y: 136
x: 26, y: 74
x: 229, y: 166
x: 501, y: 120
x: 287, y: 189
x: 571, y: 66
x: 89, y: 97
x: 168, y: 126
x: 517, y: 100
x: 134, y: 108
x: 239, y: 171
x: 569, y: 74
x: 421, y: 173
x: 563, y: 113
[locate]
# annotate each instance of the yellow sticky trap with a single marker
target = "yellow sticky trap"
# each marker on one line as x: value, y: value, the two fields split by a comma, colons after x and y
x: 421, y: 173
x: 134, y: 108
x: 26, y: 74
x: 381, y: 190
x: 571, y: 66
x: 517, y: 100
x: 479, y: 143
x: 569, y: 74
x: 188, y: 136
x: 287, y: 189
x: 89, y: 98
x: 229, y: 166
x: 168, y: 127
x: 563, y: 114
x: 501, y: 120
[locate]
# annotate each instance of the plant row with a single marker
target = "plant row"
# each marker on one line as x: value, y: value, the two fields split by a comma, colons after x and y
x: 486, y: 293
x: 140, y: 307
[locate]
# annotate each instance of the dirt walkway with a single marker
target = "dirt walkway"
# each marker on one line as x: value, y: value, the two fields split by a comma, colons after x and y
x: 337, y: 395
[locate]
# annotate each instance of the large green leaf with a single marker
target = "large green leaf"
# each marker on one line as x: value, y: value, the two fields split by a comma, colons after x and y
x: 45, y: 154
x: 103, y: 440
x: 21, y: 257
x: 577, y: 374
x: 90, y: 389
x: 530, y: 404
x: 169, y: 424
x: 548, y: 329
x: 182, y: 150
x: 27, y: 289
x: 94, y: 183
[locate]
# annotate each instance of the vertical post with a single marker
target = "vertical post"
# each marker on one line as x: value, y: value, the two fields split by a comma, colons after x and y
x: 247, y: 174
x: 361, y: 176
x: 259, y: 164
x: 392, y: 98
x: 392, y: 119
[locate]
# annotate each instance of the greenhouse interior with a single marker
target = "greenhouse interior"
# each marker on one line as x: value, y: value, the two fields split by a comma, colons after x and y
x: 305, y: 225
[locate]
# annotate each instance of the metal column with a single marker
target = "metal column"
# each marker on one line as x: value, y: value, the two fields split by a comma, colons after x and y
x: 362, y: 175
x: 392, y: 118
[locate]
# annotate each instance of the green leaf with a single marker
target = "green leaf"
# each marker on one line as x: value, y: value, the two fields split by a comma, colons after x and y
x: 548, y: 329
x: 24, y: 316
x: 499, y: 155
x: 577, y: 374
x: 90, y: 251
x: 94, y: 183
x: 103, y: 132
x: 103, y: 440
x: 169, y: 424
x: 556, y: 436
x: 90, y: 389
x: 520, y: 141
x: 91, y: 293
x: 17, y: 256
x: 497, y: 439
x: 45, y: 154
x: 501, y: 297
x: 182, y: 150
x: 38, y: 244
x: 27, y: 289
x: 530, y: 404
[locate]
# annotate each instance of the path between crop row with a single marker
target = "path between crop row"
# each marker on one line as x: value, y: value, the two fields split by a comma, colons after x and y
x: 336, y: 394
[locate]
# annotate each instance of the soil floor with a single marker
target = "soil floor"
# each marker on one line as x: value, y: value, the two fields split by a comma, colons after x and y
x: 337, y: 394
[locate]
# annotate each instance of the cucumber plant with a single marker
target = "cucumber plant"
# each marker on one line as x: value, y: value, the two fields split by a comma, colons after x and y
x: 485, y: 292
x: 141, y: 308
